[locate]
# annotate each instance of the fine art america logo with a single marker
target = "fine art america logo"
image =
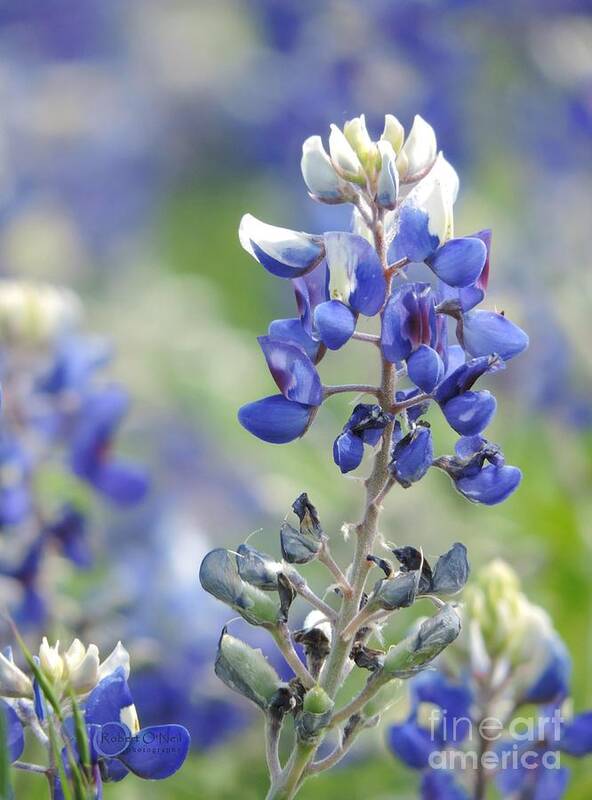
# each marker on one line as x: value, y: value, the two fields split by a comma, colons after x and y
x: 492, y: 745
x: 115, y: 738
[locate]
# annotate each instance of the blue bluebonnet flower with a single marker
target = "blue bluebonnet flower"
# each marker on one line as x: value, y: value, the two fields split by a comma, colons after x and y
x: 15, y: 469
x: 509, y: 650
x: 58, y: 419
x: 339, y: 276
x: 90, y: 448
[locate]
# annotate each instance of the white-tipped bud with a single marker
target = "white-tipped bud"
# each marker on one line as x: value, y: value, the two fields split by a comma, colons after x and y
x: 357, y: 135
x: 343, y: 156
x: 420, y: 148
x: 319, y: 174
x: 13, y: 681
x: 393, y: 132
x: 51, y: 661
x: 387, y: 184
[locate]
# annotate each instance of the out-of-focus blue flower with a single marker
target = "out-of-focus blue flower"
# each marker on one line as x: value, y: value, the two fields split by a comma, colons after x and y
x: 90, y: 449
x: 15, y: 499
x: 15, y: 738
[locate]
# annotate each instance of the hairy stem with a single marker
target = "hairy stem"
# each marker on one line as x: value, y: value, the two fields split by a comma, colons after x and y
x: 273, y: 728
x: 281, y: 634
x: 359, y: 388
x: 327, y: 559
x: 366, y: 531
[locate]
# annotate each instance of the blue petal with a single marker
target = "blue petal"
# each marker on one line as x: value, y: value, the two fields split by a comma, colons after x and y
x: 293, y: 371
x: 107, y: 700
x: 394, y: 342
x: 348, y: 451
x: 310, y: 291
x: 425, y: 368
x: 459, y: 262
x: 335, y: 323
x: 275, y: 419
x: 471, y: 296
x: 15, y: 739
x: 157, y: 751
x: 551, y: 783
x: 431, y: 686
x: 412, y: 744
x: 471, y: 412
x: 491, y: 485
x: 284, y: 253
x: 369, y: 283
x: 70, y: 531
x: 485, y: 332
x: 441, y: 785
x: 576, y: 738
x: 412, y: 456
x: 413, y: 240
x: 464, y: 376
x: 292, y: 330
x: 552, y: 683
x: 455, y: 358
x: 121, y: 482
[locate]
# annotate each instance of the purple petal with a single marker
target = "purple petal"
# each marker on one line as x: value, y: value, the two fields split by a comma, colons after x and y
x: 335, y: 323
x: 460, y: 261
x: 284, y: 253
x: 157, y: 751
x: 471, y: 412
x: 409, y: 320
x: 425, y: 368
x: 491, y: 485
x: 486, y: 332
x: 292, y: 330
x: 348, y: 451
x: 293, y: 371
x: 275, y: 419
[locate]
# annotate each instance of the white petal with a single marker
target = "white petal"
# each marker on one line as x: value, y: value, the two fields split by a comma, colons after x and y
x: 387, y: 184
x: 318, y: 171
x: 86, y: 674
x: 119, y: 657
x: 129, y: 716
x: 74, y: 654
x: 357, y: 135
x: 13, y: 682
x: 420, y: 147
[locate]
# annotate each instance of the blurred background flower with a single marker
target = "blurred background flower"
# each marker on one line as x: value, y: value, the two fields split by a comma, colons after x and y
x: 133, y: 137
